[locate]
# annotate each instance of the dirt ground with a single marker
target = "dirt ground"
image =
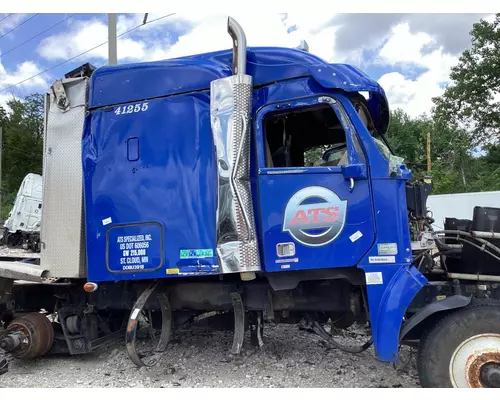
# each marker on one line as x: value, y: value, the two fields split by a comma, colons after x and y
x: 200, y: 358
x: 291, y: 357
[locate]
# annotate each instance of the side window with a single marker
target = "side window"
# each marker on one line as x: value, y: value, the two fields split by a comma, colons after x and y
x: 366, y: 119
x: 305, y: 137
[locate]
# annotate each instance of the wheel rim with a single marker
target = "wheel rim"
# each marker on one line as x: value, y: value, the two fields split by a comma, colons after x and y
x: 152, y: 354
x: 476, y: 362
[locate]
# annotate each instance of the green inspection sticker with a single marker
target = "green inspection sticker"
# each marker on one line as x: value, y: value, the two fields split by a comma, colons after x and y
x: 387, y: 249
x: 196, y: 253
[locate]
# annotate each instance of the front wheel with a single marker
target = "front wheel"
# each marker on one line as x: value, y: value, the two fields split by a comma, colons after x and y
x: 463, y: 349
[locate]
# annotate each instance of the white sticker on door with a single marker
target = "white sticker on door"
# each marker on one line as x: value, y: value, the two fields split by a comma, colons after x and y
x: 107, y: 221
x: 355, y: 236
x: 382, y: 260
x: 374, y: 278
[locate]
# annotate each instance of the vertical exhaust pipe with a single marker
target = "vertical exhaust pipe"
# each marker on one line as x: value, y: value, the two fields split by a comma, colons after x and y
x: 239, y: 46
x: 230, y: 110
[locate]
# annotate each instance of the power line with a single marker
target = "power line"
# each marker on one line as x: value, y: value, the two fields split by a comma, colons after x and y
x: 8, y: 15
x: 85, y: 52
x: 18, y: 150
x: 41, y: 33
x: 17, y: 26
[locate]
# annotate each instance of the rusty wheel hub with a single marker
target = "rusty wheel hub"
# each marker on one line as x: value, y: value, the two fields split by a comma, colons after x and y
x: 476, y: 362
x: 33, y: 334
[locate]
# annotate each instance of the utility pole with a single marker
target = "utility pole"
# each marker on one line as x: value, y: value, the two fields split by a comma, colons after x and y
x: 112, y: 47
x: 1, y: 151
x: 428, y: 152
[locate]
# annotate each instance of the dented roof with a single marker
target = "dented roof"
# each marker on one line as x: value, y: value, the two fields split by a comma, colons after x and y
x: 124, y: 83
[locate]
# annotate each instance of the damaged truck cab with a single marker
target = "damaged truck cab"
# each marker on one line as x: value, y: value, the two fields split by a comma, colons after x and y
x: 279, y: 168
x: 254, y: 180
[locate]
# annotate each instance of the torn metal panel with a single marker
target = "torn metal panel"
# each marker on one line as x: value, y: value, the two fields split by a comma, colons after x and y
x: 21, y: 271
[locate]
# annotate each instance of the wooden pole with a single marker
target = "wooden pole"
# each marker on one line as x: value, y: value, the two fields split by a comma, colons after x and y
x: 428, y: 152
x: 1, y: 151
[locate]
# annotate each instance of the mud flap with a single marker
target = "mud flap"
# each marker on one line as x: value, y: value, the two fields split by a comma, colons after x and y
x: 239, y: 323
x: 450, y: 303
x: 388, y: 304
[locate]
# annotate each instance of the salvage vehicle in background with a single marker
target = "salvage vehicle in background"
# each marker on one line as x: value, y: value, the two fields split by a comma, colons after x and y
x: 22, y: 227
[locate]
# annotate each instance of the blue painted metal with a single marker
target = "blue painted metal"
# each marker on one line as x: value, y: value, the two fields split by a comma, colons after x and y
x: 276, y: 190
x: 171, y: 185
x: 126, y: 83
x: 389, y: 300
x: 154, y: 165
x: 388, y: 303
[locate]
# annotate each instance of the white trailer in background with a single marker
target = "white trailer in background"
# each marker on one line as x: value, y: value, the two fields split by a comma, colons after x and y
x: 22, y: 227
x: 459, y: 205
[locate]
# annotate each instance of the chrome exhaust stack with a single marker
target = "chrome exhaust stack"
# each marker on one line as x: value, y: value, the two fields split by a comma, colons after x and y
x: 230, y: 115
x: 239, y: 46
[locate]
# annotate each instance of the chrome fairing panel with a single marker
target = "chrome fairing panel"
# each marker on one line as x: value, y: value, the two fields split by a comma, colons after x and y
x: 230, y: 107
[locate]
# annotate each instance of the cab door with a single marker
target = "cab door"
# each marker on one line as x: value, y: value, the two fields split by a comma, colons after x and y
x: 314, y: 191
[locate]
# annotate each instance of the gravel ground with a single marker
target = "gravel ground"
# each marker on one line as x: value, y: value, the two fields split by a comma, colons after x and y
x: 200, y: 358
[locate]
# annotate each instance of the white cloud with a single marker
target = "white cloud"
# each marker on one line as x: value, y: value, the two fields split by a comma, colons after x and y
x: 11, y: 22
x: 23, y: 71
x: 85, y: 35
x: 403, y: 46
x: 4, y: 98
x: 414, y: 96
x: 209, y: 33
x: 406, y: 50
x: 203, y: 33
x: 200, y: 32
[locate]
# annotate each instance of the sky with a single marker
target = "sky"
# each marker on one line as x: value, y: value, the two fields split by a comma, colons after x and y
x: 410, y: 55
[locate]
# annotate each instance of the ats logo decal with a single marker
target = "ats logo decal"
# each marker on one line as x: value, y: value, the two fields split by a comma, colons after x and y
x: 314, y: 216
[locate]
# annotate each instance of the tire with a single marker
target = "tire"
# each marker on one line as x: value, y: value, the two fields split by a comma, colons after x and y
x: 453, y: 339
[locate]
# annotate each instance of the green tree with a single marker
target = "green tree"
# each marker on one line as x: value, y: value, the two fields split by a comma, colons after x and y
x: 22, y: 144
x: 407, y: 137
x: 472, y: 100
x: 451, y: 151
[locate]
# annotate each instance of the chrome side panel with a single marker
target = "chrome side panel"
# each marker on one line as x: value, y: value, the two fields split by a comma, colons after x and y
x: 230, y: 109
x: 62, y: 233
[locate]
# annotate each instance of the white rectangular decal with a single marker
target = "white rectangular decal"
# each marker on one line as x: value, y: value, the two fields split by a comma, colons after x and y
x: 382, y: 260
x: 374, y: 278
x: 355, y: 236
x: 106, y: 221
x: 286, y: 260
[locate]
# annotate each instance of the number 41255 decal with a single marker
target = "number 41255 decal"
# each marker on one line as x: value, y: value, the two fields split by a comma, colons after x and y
x: 131, y: 108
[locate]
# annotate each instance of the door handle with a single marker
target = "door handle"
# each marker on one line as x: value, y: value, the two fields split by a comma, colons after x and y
x: 351, y: 186
x: 354, y: 172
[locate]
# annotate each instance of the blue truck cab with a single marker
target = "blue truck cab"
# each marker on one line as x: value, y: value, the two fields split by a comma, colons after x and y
x: 253, y: 180
x: 323, y: 190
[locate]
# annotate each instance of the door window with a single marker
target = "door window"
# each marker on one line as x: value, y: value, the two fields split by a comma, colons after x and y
x: 305, y: 137
x: 316, y: 135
